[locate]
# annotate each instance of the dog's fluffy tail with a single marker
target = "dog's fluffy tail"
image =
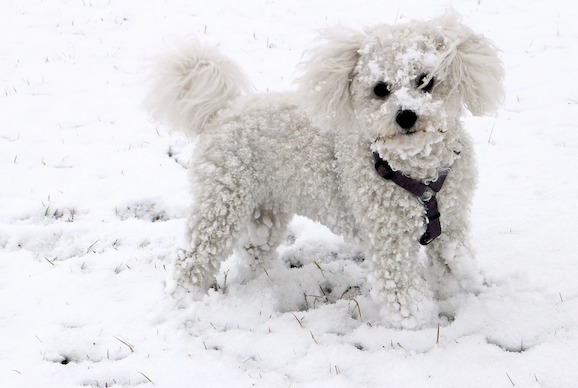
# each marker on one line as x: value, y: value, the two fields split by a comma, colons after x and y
x: 191, y: 84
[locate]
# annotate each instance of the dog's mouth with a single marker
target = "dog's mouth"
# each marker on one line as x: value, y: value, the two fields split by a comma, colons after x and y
x: 412, y: 132
x: 413, y: 140
x: 424, y: 126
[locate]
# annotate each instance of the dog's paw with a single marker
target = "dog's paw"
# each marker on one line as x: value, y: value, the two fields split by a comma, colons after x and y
x: 473, y: 283
x: 186, y: 296
x: 409, y: 310
x: 412, y: 317
x: 447, y: 284
x: 190, y: 276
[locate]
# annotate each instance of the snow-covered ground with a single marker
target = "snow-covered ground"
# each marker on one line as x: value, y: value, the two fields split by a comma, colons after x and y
x: 94, y: 196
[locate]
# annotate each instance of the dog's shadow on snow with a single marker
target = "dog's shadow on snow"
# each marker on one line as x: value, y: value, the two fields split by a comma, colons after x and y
x: 314, y: 268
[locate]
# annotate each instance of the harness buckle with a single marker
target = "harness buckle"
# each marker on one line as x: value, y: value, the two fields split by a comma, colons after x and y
x: 433, y: 217
x: 426, y: 239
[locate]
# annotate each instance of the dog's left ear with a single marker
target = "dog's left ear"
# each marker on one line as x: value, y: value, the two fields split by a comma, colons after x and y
x: 475, y: 70
x: 327, y: 73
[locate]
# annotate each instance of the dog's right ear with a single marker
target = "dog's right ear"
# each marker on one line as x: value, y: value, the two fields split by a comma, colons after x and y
x: 327, y: 72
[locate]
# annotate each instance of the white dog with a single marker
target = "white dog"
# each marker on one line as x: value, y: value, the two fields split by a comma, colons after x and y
x: 371, y: 146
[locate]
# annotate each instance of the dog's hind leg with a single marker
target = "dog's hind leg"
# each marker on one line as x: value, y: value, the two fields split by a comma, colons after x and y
x: 265, y: 232
x: 214, y: 225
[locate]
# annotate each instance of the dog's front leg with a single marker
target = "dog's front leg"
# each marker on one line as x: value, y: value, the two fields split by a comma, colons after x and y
x: 452, y: 268
x: 398, y: 284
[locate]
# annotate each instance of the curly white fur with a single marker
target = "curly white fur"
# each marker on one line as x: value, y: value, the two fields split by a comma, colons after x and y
x: 262, y: 158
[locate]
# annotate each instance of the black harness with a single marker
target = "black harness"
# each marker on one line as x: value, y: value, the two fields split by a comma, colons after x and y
x: 425, y: 193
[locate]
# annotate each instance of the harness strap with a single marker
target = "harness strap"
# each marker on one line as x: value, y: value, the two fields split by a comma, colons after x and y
x: 425, y: 193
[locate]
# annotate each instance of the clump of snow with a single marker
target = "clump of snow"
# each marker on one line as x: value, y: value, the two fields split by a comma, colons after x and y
x: 94, y: 199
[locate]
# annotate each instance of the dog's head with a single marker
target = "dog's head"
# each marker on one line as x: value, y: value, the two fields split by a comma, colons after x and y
x: 404, y: 85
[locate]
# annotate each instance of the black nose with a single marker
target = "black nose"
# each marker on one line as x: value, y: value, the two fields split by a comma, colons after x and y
x: 406, y: 119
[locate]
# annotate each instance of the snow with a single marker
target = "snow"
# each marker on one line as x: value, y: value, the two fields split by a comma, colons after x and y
x: 94, y: 197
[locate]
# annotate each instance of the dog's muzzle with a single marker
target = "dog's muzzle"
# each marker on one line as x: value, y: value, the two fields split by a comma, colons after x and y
x: 406, y: 120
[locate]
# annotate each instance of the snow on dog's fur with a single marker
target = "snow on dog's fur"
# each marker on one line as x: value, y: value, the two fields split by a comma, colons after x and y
x: 262, y: 158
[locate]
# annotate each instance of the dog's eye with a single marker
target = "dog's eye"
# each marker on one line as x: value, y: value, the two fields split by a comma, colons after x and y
x: 419, y: 82
x: 381, y: 89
